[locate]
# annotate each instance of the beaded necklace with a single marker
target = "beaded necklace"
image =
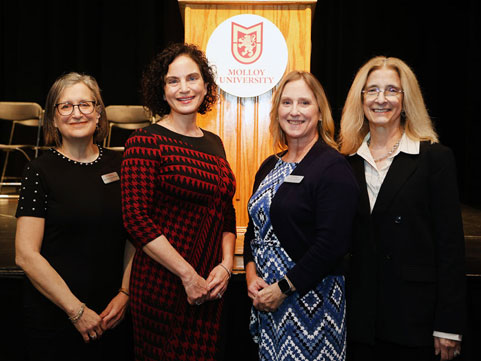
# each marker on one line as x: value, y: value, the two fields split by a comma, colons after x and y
x: 393, y: 149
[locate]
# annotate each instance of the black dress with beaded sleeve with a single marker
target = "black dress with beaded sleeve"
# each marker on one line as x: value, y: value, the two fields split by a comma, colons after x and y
x: 84, y: 237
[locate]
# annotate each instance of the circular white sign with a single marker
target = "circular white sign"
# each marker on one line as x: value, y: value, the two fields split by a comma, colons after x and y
x: 249, y: 53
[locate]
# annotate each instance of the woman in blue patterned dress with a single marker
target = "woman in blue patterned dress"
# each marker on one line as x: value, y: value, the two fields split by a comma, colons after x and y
x: 300, y: 218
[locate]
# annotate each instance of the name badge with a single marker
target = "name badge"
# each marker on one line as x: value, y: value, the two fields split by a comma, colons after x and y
x: 294, y: 178
x: 110, y: 177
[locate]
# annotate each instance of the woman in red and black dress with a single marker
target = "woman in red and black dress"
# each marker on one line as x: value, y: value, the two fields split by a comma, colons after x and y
x: 177, y: 190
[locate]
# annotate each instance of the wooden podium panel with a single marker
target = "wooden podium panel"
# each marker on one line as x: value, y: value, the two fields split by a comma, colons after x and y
x: 243, y: 123
x: 293, y: 18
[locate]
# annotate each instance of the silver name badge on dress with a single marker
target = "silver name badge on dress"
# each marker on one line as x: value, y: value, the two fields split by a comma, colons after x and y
x: 110, y: 177
x: 294, y: 178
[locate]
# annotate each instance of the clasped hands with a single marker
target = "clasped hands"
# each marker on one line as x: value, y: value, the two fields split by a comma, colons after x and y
x: 446, y: 349
x: 91, y: 325
x: 265, y: 297
x: 200, y: 290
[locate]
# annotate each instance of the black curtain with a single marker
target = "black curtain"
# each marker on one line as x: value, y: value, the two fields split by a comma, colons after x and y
x: 111, y: 40
x: 439, y: 40
x: 114, y: 40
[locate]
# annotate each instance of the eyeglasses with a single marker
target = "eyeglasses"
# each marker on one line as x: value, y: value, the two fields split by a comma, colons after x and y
x: 390, y: 92
x: 84, y: 107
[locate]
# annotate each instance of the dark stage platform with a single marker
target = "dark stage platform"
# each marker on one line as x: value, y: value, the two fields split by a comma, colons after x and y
x: 238, y: 344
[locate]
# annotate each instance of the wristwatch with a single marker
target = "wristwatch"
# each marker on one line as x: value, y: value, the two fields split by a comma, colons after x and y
x: 285, y: 286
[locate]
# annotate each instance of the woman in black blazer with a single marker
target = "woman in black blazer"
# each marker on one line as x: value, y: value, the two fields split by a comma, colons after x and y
x: 300, y: 218
x: 406, y: 286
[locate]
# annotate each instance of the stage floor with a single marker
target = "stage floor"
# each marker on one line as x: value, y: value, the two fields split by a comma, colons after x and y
x: 237, y: 305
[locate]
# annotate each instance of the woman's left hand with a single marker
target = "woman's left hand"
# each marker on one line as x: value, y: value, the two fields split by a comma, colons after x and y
x: 269, y: 299
x: 217, y: 282
x: 446, y: 349
x: 115, y: 311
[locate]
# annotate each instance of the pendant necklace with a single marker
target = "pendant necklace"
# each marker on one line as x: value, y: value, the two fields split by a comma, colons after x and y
x: 393, y: 149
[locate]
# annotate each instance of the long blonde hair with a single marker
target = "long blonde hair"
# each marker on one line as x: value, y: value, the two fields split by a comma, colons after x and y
x: 325, y: 128
x: 416, y: 121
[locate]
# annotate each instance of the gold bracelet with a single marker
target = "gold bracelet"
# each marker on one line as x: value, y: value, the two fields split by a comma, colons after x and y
x: 224, y: 267
x: 79, y: 314
x: 124, y: 291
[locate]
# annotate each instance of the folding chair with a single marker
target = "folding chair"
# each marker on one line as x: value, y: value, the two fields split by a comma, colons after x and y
x: 125, y: 117
x: 23, y: 114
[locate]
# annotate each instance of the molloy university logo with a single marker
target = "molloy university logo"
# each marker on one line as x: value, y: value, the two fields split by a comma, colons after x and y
x: 246, y: 43
x: 249, y: 53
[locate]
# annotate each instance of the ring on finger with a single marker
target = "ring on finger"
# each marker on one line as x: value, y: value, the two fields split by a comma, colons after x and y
x: 219, y: 295
x: 94, y: 336
x: 456, y: 353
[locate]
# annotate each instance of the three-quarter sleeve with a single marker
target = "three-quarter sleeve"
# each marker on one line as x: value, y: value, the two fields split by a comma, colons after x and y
x: 33, y: 198
x: 229, y: 219
x: 229, y: 224
x: 138, y: 182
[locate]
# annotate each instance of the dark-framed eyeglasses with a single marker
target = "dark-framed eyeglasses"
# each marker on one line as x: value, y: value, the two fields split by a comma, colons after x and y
x: 390, y: 92
x: 67, y: 108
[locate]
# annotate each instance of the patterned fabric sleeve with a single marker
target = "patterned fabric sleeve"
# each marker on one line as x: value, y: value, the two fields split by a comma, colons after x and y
x: 138, y: 179
x: 248, y: 237
x: 229, y: 219
x: 33, y: 197
x: 263, y: 170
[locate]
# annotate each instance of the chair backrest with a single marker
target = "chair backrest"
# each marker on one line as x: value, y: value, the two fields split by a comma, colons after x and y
x: 126, y: 117
x: 25, y: 113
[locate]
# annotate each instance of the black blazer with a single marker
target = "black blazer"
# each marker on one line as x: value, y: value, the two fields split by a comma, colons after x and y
x: 312, y: 219
x: 407, y: 276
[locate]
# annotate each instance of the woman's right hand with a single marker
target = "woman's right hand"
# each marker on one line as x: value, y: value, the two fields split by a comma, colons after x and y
x: 89, y: 325
x: 161, y: 251
x: 196, y: 289
x: 28, y: 243
x: 254, y: 282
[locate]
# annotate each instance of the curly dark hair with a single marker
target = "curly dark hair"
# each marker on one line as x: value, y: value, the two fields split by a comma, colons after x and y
x: 153, y: 78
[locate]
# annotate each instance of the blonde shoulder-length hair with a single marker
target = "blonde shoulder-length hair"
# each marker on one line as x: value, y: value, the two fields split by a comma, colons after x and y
x: 415, y: 119
x: 325, y: 128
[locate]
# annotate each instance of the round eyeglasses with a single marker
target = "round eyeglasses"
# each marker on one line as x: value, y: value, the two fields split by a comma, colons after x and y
x: 390, y: 92
x: 67, y: 108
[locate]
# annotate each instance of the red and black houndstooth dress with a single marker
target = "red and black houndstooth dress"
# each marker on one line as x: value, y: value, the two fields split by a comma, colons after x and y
x: 181, y: 187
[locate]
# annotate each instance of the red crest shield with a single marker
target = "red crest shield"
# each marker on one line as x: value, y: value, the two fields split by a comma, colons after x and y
x: 246, y: 43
